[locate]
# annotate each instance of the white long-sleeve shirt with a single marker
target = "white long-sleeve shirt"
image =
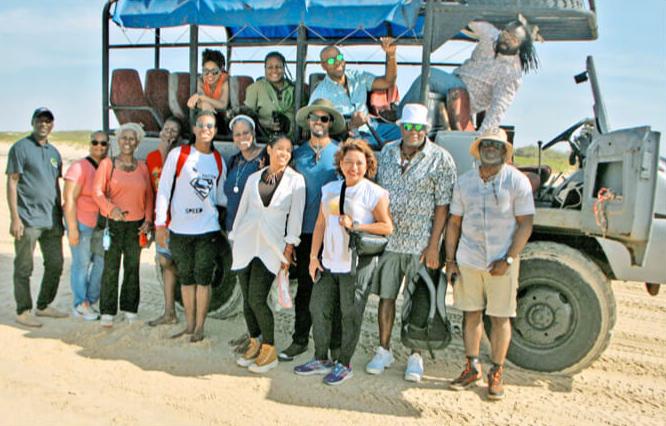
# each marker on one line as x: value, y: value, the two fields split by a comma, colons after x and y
x: 198, y: 191
x: 492, y: 80
x: 259, y: 231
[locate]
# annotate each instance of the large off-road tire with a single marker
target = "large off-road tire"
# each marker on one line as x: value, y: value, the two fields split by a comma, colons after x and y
x: 566, y: 310
x: 226, y: 298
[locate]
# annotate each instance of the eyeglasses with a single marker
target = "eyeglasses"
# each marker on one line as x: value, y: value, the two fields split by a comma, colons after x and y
x: 209, y: 126
x: 323, y: 118
x: 338, y: 58
x: 212, y: 71
x: 96, y: 142
x: 491, y: 143
x: 410, y: 126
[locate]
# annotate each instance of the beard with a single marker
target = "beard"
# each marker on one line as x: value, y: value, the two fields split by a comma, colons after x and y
x: 491, y: 159
x: 319, y: 132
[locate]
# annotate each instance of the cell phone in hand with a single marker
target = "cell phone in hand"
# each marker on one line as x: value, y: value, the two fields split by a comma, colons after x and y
x: 317, y: 276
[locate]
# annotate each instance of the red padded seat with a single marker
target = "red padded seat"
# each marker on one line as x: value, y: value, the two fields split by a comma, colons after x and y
x: 126, y: 90
x: 157, y: 91
x: 238, y: 85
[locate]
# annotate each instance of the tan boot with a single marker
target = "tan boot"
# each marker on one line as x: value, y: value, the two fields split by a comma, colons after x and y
x: 250, y: 354
x: 28, y: 319
x: 266, y: 360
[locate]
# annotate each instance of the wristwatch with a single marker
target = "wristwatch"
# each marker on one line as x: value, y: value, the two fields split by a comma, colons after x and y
x: 509, y: 260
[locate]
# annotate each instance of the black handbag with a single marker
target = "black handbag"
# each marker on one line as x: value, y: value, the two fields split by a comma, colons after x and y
x: 362, y: 243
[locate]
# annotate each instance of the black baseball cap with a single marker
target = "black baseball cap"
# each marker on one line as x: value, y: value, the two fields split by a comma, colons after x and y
x: 43, y: 111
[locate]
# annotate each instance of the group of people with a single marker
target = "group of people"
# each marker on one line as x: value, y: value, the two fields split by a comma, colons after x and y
x: 285, y: 206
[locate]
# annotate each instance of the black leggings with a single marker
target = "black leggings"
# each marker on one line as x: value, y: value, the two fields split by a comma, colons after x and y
x: 255, y: 283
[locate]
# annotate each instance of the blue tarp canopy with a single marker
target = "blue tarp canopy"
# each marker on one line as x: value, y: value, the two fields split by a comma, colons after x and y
x: 274, y: 19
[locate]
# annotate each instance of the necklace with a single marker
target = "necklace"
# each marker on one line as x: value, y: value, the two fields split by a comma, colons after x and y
x: 405, y: 159
x: 239, y: 174
x: 271, y: 178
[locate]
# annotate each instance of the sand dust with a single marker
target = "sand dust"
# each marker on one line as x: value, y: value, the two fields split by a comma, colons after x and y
x: 74, y: 372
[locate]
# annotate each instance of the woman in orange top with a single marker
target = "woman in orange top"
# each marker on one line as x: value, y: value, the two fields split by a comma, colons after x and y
x: 213, y: 86
x: 124, y: 194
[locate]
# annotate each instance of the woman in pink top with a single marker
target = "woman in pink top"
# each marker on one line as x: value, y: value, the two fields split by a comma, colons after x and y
x: 81, y: 218
x: 124, y: 194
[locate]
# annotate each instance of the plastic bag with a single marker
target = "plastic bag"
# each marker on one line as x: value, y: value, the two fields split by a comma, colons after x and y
x: 282, y: 296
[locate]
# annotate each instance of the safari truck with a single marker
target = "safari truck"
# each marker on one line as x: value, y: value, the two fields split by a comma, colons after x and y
x: 604, y: 221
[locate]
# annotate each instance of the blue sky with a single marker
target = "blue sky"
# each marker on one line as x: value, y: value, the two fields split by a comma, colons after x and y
x: 51, y: 55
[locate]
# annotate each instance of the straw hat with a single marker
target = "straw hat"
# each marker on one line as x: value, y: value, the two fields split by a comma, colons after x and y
x: 493, y: 135
x: 338, y: 125
x: 415, y: 114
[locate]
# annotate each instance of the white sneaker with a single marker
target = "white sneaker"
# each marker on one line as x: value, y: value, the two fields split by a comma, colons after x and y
x: 414, y: 370
x: 382, y: 359
x: 106, y: 321
x: 82, y: 310
x: 94, y: 307
x: 131, y: 317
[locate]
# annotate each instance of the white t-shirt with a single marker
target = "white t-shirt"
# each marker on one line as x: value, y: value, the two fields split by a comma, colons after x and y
x: 197, y: 193
x: 360, y: 200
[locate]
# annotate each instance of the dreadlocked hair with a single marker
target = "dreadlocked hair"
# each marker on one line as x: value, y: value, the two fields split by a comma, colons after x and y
x: 527, y: 54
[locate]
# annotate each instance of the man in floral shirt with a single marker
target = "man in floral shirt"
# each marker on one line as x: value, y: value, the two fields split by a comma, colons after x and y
x: 419, y: 176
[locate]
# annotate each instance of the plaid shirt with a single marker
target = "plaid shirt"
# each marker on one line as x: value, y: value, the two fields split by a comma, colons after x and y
x: 426, y: 183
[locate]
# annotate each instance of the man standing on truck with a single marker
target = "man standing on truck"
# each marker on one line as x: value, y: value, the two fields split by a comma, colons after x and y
x: 489, y: 79
x: 419, y: 176
x: 348, y: 91
x: 34, y: 167
x: 490, y: 222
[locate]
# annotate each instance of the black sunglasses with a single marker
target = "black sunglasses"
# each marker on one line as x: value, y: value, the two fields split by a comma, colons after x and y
x: 323, y: 118
x: 95, y: 143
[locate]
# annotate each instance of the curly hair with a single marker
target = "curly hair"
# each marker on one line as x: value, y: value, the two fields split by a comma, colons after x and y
x: 210, y: 55
x: 361, y: 146
x: 139, y: 133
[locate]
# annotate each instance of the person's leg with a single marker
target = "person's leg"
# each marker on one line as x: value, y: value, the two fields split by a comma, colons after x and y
x: 323, y: 305
x: 182, y: 250
x: 81, y: 259
x: 303, y: 320
x: 458, y: 108
x: 130, y: 293
x: 500, y: 338
x: 97, y: 269
x: 108, y: 302
x: 169, y: 278
x: 258, y: 289
x: 188, y: 294
x: 50, y: 242
x: 244, y: 276
x: 472, y: 333
x: 23, y: 265
x: 354, y: 291
x: 202, y: 300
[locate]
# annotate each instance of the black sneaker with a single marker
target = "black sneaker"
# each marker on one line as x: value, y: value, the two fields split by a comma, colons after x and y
x: 292, y: 352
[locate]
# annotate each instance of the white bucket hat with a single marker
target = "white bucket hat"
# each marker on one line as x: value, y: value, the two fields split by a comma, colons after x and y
x: 415, y: 114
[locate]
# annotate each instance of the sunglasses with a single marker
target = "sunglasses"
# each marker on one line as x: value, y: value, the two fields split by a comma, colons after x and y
x: 323, y: 118
x: 214, y: 71
x: 95, y: 143
x: 411, y: 126
x: 338, y: 58
x: 209, y: 126
x: 489, y: 143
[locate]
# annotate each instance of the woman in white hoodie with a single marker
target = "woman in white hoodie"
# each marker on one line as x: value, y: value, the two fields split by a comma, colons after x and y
x: 266, y: 229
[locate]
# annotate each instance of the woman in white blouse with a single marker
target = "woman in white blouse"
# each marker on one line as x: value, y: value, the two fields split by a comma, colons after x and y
x: 272, y: 202
x: 365, y: 209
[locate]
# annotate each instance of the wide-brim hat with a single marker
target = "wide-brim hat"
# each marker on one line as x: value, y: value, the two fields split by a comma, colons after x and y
x: 493, y: 135
x: 338, y: 125
x: 415, y: 114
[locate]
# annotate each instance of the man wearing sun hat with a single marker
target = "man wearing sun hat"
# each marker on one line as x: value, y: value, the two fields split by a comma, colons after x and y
x: 34, y: 167
x: 490, y: 223
x: 314, y: 159
x: 419, y: 176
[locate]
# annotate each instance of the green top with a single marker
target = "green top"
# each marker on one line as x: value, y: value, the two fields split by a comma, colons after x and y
x: 263, y: 98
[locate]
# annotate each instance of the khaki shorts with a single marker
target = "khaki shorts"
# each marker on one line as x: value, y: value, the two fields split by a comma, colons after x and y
x: 477, y: 290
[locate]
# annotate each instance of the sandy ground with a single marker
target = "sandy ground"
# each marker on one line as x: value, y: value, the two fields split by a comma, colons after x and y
x: 75, y: 372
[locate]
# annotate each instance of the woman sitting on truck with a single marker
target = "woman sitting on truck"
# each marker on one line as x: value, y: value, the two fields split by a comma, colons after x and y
x: 272, y: 97
x: 213, y: 85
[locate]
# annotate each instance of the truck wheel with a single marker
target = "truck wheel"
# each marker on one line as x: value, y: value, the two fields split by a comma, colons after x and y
x: 565, y: 310
x: 226, y: 297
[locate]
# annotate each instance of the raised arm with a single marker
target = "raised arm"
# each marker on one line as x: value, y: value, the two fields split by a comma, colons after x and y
x: 391, y: 74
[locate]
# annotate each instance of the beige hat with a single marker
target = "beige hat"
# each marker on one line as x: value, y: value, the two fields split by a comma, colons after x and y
x: 338, y: 125
x: 493, y: 135
x: 415, y: 114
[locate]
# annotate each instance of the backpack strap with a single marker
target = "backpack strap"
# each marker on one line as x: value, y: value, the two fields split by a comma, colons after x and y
x: 218, y: 161
x: 182, y: 158
x: 92, y: 162
x: 352, y: 240
x: 427, y: 280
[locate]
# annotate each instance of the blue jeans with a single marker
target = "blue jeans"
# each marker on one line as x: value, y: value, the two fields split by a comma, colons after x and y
x: 388, y: 132
x: 87, y: 267
x: 440, y: 82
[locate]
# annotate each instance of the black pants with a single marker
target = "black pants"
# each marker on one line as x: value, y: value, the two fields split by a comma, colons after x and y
x: 125, y: 245
x: 350, y: 293
x: 255, y: 283
x: 50, y: 242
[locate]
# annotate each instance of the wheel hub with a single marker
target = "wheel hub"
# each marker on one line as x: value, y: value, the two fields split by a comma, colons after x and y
x: 544, y: 315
